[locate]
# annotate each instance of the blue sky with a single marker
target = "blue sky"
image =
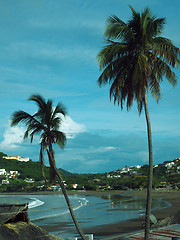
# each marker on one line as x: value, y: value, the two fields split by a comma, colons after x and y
x: 50, y: 48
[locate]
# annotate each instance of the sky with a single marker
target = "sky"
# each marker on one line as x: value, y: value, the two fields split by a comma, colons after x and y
x: 50, y: 48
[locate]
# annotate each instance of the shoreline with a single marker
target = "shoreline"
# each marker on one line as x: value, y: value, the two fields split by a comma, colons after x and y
x: 122, y: 227
x: 134, y: 225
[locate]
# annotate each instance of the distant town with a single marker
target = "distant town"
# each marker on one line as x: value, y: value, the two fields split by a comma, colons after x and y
x: 22, y: 174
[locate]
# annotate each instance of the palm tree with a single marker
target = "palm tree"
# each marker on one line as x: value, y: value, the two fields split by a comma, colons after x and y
x: 46, y: 122
x: 134, y: 62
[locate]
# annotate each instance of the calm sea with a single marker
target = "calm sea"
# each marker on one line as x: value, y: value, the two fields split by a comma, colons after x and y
x: 51, y: 210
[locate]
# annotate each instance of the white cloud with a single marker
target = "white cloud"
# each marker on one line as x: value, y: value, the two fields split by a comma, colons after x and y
x: 102, y: 149
x: 13, y: 136
x: 71, y: 128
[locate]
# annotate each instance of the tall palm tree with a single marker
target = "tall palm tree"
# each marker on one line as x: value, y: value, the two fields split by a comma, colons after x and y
x: 46, y: 122
x: 134, y: 62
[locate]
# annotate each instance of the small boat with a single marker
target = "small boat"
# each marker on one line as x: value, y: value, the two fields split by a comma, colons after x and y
x: 13, y: 213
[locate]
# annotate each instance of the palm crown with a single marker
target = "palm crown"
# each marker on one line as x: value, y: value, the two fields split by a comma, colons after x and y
x: 46, y: 122
x: 136, y: 58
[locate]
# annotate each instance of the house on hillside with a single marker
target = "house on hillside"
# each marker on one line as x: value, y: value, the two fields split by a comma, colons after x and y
x: 169, y: 165
x: 56, y: 187
x: 24, y: 159
x: 125, y: 170
x: 18, y: 158
x: 2, y: 171
x: 13, y: 174
x: 75, y: 185
x: 5, y: 181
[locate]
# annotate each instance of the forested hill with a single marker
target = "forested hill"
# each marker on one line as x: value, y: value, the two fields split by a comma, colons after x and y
x: 165, y: 175
x: 28, y: 169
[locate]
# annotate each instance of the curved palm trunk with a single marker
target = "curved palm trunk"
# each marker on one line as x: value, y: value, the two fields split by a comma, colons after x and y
x: 150, y: 175
x: 61, y: 183
x: 43, y: 174
x: 41, y: 160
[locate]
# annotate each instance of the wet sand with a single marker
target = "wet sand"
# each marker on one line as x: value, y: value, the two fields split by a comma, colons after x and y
x: 173, y: 197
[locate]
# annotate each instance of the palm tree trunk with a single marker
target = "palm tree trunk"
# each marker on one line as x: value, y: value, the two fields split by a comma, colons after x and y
x: 43, y: 174
x: 61, y: 183
x: 150, y: 175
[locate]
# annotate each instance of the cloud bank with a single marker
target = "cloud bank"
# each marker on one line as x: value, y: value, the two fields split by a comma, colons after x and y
x: 13, y: 136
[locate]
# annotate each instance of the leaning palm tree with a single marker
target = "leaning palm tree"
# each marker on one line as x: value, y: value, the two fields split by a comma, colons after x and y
x: 46, y: 122
x: 134, y: 62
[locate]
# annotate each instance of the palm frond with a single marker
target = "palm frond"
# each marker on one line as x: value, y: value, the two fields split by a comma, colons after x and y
x: 56, y: 120
x: 35, y: 130
x: 158, y: 25
x: 21, y: 116
x: 60, y: 108
x: 39, y: 100
x: 164, y: 48
x: 59, y: 138
x: 56, y: 123
x: 110, y: 53
x: 117, y: 29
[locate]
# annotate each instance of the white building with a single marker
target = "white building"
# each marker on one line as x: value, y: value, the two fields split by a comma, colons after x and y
x: 169, y: 165
x: 5, y: 181
x: 2, y: 171
x: 75, y: 185
x: 29, y: 180
x: 24, y: 159
x: 13, y: 172
x: 18, y: 158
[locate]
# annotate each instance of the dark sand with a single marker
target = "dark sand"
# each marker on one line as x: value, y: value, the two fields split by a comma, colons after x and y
x: 173, y: 197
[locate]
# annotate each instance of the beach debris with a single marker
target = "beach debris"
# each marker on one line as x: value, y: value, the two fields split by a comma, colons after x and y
x: 153, y: 219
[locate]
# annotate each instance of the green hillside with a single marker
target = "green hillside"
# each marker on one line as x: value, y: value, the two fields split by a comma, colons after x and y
x: 166, y: 175
x: 28, y: 169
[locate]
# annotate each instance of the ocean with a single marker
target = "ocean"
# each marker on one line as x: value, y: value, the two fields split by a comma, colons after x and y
x: 51, y: 211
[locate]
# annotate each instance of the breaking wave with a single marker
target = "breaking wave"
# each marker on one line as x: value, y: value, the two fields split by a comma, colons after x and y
x: 35, y: 203
x: 56, y: 206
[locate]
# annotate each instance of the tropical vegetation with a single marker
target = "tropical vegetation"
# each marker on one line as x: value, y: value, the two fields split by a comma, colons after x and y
x: 29, y: 177
x: 134, y: 62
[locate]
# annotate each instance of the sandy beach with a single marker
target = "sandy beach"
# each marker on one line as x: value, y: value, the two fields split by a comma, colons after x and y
x: 129, y: 226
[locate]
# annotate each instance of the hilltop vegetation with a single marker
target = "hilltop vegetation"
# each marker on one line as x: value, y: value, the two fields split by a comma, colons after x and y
x: 166, y: 174
x: 28, y: 169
